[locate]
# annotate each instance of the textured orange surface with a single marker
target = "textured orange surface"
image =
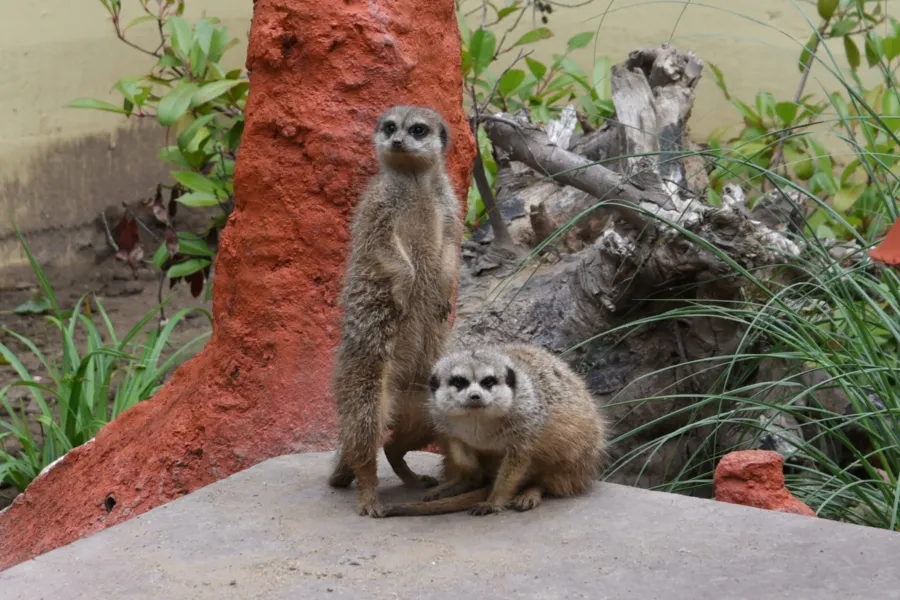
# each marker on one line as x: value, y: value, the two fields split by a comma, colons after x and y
x: 888, y: 251
x: 756, y: 478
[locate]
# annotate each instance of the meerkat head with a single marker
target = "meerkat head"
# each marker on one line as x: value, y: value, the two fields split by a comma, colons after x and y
x: 474, y: 383
x: 411, y: 138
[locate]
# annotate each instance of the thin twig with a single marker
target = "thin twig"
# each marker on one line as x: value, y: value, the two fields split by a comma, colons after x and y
x: 109, y: 235
x: 501, y: 233
x: 139, y: 222
x: 778, y: 155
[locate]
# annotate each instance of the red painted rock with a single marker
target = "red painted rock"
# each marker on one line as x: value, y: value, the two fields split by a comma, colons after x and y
x: 322, y: 72
x: 756, y: 478
x: 888, y: 251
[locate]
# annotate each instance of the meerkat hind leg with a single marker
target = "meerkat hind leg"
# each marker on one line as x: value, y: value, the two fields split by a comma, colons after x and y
x: 342, y: 475
x: 411, y: 431
x: 395, y: 450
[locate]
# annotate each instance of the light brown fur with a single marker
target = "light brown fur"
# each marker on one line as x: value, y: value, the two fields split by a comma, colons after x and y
x: 546, y: 437
x: 399, y: 281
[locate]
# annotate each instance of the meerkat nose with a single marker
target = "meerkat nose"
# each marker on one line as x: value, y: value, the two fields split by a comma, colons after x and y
x: 397, y: 144
x: 473, y: 400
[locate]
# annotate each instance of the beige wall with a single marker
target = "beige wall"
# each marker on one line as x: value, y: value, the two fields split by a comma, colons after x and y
x: 59, y: 167
x: 756, y: 44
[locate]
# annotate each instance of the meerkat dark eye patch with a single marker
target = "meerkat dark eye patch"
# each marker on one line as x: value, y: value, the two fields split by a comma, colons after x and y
x: 418, y: 131
x: 434, y: 383
x: 510, y: 378
x: 389, y: 128
x: 443, y: 135
x: 458, y: 382
x: 488, y: 382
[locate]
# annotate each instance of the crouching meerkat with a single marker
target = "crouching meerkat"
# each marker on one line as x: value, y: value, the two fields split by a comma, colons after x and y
x: 403, y: 265
x: 517, y: 424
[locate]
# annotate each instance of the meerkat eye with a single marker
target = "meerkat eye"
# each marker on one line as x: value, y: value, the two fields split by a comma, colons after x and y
x: 458, y: 382
x: 389, y: 128
x: 418, y: 130
x: 488, y: 382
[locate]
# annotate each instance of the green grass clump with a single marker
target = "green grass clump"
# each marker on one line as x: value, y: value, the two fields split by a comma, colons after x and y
x: 76, y: 401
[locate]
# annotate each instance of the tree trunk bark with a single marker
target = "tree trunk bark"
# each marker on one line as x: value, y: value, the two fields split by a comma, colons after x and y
x: 626, y: 251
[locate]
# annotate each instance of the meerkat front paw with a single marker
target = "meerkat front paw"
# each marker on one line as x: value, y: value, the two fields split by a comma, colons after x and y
x: 486, y: 508
x: 527, y: 500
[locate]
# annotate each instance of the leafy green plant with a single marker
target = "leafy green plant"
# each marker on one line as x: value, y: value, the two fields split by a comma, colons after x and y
x: 90, y: 386
x: 202, y: 107
x: 544, y: 90
x: 774, y: 140
x: 848, y: 467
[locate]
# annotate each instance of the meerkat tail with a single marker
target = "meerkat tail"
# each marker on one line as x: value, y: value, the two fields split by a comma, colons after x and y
x: 443, y: 506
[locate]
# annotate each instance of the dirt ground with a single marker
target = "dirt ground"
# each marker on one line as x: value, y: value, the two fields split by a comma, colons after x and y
x: 126, y: 297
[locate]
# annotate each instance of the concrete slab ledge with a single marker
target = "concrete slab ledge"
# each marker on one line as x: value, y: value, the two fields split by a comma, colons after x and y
x: 277, y: 531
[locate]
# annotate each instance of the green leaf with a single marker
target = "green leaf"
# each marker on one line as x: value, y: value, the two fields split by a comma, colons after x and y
x: 720, y: 80
x: 787, y: 112
x: 824, y: 232
x: 173, y: 155
x: 186, y: 137
x: 873, y: 49
x: 505, y: 12
x: 188, y: 267
x: 466, y: 62
x: 847, y: 197
x: 465, y: 33
x: 510, y: 81
x: 535, y: 35
x: 538, y: 69
x: 176, y: 104
x: 211, y: 91
x: 199, y: 200
x: 765, y: 104
x: 191, y: 244
x: 580, y: 40
x: 852, y: 52
x: 195, y: 181
x: 482, y: 49
x: 138, y: 21
x: 806, y: 55
x: 826, y: 8
x: 181, y: 36
x: 34, y: 307
x: 96, y: 105
x: 602, y: 78
x: 160, y: 256
x: 843, y: 27
x: 204, y: 31
x: 750, y: 117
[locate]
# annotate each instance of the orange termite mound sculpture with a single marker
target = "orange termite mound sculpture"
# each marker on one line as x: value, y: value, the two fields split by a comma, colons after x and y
x: 321, y: 73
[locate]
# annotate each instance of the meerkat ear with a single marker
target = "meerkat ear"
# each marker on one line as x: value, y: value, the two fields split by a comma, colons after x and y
x: 442, y: 132
x: 510, y: 378
x: 434, y: 383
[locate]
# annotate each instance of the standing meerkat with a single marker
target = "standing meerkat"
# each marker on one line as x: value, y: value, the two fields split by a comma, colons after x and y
x: 403, y: 265
x: 517, y: 424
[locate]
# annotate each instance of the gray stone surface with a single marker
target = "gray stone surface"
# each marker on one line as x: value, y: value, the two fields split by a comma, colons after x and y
x: 276, y: 531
